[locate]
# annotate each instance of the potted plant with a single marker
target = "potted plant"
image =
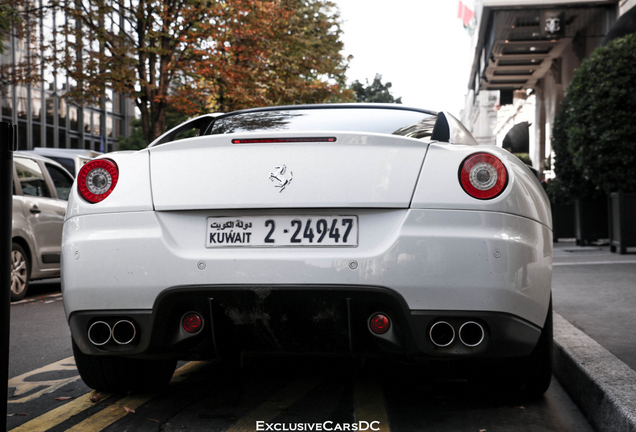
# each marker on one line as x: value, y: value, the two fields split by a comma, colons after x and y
x: 579, y: 208
x: 601, y: 131
x: 622, y: 216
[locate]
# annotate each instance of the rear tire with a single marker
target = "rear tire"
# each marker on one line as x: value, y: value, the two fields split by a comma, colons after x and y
x: 122, y: 374
x: 20, y: 271
x: 530, y: 377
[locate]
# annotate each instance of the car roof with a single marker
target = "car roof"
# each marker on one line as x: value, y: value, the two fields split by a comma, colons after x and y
x: 33, y: 155
x: 66, y: 152
x: 209, y: 118
x: 358, y: 105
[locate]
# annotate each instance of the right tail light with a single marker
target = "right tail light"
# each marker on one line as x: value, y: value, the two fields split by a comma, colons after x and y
x: 483, y: 176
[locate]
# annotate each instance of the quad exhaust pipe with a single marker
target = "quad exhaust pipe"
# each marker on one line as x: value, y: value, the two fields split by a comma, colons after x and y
x: 99, y: 333
x: 471, y: 334
x: 442, y: 334
x: 122, y: 332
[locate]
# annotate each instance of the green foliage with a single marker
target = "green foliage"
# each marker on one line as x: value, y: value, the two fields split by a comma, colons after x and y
x: 136, y: 140
x: 570, y: 183
x: 375, y: 92
x: 594, y: 136
x: 524, y: 157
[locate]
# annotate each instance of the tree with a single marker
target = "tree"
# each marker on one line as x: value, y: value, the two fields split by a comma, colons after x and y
x: 374, y: 92
x: 593, y: 137
x: 201, y: 55
x: 136, y: 140
x: 306, y: 66
x: 17, y: 19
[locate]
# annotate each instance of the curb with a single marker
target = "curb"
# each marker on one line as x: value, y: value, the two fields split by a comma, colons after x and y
x: 601, y: 385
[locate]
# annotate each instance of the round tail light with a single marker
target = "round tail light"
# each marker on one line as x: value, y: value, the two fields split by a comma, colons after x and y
x: 97, y: 179
x: 483, y: 176
x: 379, y: 323
x: 192, y: 322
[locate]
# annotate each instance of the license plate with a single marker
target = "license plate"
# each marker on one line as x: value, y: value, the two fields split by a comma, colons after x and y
x: 282, y: 231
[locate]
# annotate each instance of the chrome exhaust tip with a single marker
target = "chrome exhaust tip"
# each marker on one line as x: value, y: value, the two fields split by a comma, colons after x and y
x: 442, y: 334
x: 124, y: 332
x: 99, y: 333
x: 471, y: 334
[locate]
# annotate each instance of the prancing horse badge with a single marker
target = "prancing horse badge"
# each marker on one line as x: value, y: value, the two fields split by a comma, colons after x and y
x: 280, y: 178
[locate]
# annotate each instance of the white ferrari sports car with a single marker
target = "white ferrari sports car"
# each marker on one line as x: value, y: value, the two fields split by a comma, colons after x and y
x: 351, y: 229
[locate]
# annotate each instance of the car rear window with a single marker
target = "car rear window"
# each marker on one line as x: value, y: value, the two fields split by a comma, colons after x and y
x: 403, y: 122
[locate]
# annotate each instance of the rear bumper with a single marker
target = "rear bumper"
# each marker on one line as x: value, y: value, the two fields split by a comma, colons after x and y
x: 329, y: 320
x: 492, y: 268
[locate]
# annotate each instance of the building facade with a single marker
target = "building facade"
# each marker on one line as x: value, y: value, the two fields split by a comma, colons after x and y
x: 42, y: 115
x: 526, y: 52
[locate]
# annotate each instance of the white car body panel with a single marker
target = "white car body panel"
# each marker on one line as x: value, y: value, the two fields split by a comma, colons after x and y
x: 439, y: 188
x: 355, y: 171
x: 455, y: 267
x: 131, y: 194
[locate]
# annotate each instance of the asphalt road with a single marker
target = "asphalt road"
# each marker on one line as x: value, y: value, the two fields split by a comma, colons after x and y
x: 46, y: 393
x: 595, y: 291
x: 39, y: 331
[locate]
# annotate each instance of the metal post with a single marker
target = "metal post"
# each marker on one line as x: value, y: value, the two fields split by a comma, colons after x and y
x: 7, y: 146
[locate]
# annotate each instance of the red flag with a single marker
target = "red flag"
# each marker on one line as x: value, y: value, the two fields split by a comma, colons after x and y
x: 465, y: 13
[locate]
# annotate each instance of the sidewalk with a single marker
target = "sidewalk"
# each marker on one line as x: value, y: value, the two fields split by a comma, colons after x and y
x: 594, y: 299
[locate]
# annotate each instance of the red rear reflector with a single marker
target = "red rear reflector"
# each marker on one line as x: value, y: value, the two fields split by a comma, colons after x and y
x: 379, y: 323
x: 483, y: 176
x: 97, y: 179
x: 282, y: 140
x: 192, y: 322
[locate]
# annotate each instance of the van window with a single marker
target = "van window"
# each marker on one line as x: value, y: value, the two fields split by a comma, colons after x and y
x: 61, y: 181
x: 31, y: 178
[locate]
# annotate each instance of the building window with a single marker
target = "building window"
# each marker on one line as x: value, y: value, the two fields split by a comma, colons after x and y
x: 44, y: 117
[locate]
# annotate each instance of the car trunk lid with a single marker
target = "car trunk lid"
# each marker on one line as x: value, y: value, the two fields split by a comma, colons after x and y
x: 353, y: 170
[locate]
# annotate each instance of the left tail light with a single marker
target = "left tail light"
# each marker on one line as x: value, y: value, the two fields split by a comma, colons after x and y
x: 97, y: 179
x: 483, y: 176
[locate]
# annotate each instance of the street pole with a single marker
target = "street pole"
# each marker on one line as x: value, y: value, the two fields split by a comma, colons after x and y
x: 7, y: 145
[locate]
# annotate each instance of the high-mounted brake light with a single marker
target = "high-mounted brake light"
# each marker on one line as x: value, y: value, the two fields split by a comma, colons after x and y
x: 282, y: 140
x: 483, y: 176
x: 97, y: 179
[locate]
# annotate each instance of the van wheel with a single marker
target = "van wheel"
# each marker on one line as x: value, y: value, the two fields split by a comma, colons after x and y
x: 20, y: 271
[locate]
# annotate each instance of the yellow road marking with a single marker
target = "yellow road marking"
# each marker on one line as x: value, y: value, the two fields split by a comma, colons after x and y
x: 58, y: 415
x: 270, y: 409
x: 105, y: 417
x: 111, y: 414
x: 117, y: 410
x: 22, y: 386
x: 370, y: 405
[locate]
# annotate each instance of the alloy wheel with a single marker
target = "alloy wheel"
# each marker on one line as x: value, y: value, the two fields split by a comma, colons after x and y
x: 19, y: 274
